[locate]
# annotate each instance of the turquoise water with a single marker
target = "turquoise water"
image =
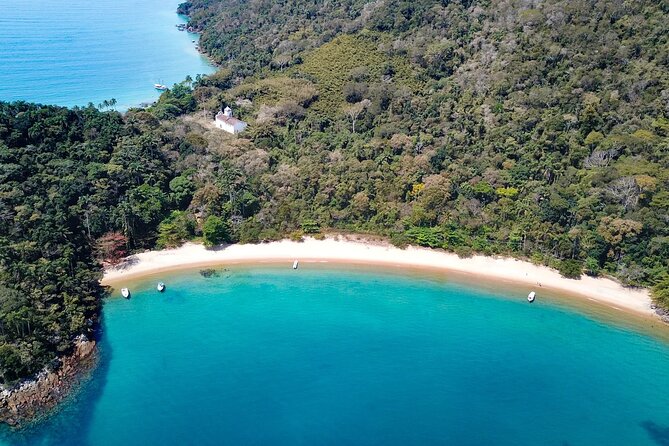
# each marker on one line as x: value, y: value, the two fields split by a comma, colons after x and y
x: 72, y: 52
x: 266, y: 356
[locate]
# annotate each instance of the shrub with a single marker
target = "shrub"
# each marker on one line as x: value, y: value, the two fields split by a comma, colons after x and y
x: 175, y: 229
x: 310, y: 227
x: 660, y: 291
x: 215, y: 231
x: 591, y: 267
x: 112, y: 247
x: 399, y: 240
x: 297, y: 236
x: 571, y: 269
x: 430, y: 237
x: 464, y: 252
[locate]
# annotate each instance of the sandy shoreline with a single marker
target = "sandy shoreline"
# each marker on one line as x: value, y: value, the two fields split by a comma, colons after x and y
x: 191, y: 255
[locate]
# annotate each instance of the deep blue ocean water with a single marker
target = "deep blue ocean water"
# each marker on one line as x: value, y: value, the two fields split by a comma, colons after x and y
x: 72, y: 52
x: 267, y: 356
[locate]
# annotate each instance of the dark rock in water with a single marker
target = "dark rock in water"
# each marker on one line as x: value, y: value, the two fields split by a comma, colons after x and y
x: 209, y: 272
x: 659, y: 434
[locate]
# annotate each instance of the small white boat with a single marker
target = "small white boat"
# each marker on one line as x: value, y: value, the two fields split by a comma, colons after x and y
x: 160, y: 87
x: 160, y: 287
x: 531, y: 297
x: 295, y: 264
x: 125, y: 293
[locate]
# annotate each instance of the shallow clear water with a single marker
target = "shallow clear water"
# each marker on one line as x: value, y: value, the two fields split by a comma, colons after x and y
x: 282, y: 357
x: 72, y: 52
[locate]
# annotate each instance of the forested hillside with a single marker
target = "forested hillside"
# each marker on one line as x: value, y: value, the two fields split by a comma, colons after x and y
x: 533, y: 128
x: 69, y: 179
x: 536, y: 129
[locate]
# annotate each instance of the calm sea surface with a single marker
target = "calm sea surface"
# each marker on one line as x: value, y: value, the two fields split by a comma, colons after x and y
x: 72, y: 52
x: 267, y: 356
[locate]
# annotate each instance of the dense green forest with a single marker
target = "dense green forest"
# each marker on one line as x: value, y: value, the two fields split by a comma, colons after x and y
x: 536, y: 129
x: 74, y: 182
x: 533, y: 129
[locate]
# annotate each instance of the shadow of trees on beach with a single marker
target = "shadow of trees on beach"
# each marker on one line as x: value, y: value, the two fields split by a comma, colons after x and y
x: 659, y: 434
x: 218, y: 248
x: 126, y: 263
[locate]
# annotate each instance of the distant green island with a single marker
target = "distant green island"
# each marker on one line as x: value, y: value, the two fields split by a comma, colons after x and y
x: 471, y: 126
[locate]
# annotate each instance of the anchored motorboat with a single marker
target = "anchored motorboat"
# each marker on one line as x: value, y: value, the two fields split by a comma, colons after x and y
x: 160, y: 287
x: 531, y: 296
x: 125, y: 293
x: 295, y: 264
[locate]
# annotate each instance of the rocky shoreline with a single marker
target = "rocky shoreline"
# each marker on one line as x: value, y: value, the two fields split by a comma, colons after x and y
x: 662, y: 313
x: 34, y: 398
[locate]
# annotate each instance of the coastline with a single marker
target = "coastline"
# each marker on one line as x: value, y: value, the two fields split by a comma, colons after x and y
x: 33, y: 398
x: 185, y: 18
x: 346, y: 250
x: 149, y: 50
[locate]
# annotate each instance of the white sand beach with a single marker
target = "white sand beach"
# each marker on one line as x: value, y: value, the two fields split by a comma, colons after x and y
x: 344, y: 250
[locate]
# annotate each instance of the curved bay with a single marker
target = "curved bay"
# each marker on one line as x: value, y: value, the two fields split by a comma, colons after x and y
x: 258, y: 355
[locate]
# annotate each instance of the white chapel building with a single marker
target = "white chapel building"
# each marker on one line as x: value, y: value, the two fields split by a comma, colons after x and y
x: 225, y: 121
